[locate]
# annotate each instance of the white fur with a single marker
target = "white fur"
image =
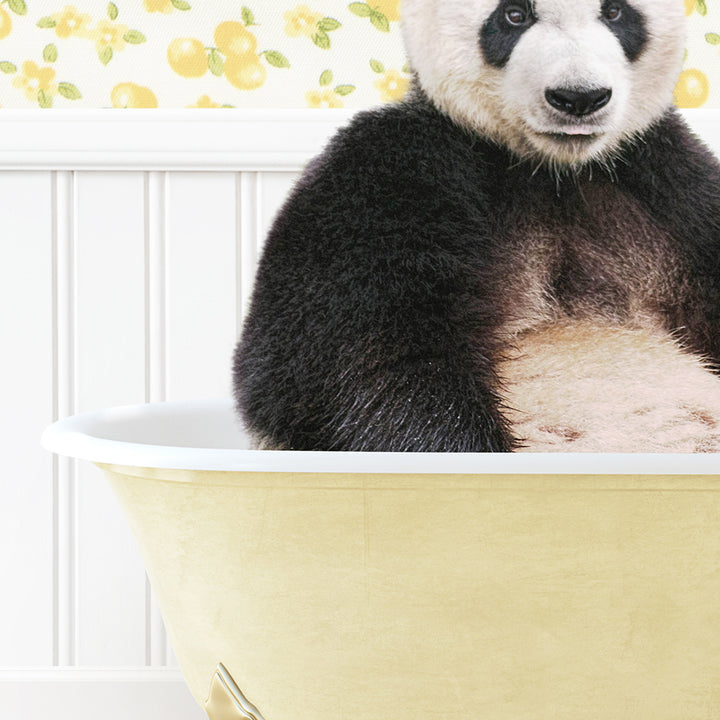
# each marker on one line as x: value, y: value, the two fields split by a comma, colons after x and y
x: 591, y: 387
x: 568, y: 46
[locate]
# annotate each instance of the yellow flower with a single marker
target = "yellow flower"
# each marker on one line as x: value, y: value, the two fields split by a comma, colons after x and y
x: 71, y: 22
x: 163, y: 6
x: 130, y: 95
x: 32, y: 80
x: 109, y: 34
x: 392, y: 86
x: 323, y: 99
x: 301, y: 21
x: 205, y: 102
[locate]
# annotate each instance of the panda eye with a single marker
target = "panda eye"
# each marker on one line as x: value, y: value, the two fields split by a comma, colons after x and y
x: 613, y: 13
x: 516, y: 15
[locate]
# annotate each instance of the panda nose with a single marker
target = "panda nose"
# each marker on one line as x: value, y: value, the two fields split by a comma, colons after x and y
x: 578, y: 102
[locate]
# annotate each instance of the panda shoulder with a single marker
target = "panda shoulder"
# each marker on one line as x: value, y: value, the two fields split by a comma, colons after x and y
x: 396, y: 141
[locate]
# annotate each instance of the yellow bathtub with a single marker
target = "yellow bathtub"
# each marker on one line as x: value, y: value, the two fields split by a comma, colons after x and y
x: 374, y: 586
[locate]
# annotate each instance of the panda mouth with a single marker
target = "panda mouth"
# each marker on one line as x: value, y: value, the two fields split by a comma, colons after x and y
x: 566, y: 139
x: 577, y: 133
x: 572, y: 137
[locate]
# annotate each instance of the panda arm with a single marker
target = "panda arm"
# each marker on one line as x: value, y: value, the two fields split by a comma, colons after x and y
x: 368, y: 327
x: 676, y: 179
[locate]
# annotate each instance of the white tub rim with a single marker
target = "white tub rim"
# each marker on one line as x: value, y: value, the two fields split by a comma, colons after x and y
x: 92, y: 436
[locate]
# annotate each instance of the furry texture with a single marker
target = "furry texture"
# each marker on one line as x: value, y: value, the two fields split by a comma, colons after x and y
x: 570, y: 44
x: 587, y: 388
x: 416, y: 281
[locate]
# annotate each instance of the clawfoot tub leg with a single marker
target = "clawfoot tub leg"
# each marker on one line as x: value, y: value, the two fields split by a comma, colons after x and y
x: 226, y: 701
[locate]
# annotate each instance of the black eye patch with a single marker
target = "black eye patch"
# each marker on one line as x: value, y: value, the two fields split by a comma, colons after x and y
x: 627, y: 24
x: 502, y: 30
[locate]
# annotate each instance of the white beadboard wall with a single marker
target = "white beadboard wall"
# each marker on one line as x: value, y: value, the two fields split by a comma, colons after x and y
x: 128, y: 245
x: 127, y: 253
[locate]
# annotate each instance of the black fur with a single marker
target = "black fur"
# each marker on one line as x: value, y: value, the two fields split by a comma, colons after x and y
x: 629, y: 28
x: 498, y: 37
x: 676, y: 180
x: 376, y: 318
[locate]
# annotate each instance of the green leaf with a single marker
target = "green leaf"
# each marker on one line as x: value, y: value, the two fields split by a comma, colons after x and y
x: 377, y: 66
x: 322, y: 40
x: 344, y: 89
x: 326, y: 78
x: 276, y: 59
x: 328, y: 24
x: 712, y: 38
x: 46, y: 22
x: 7, y: 67
x: 247, y: 16
x: 360, y: 9
x: 380, y: 21
x: 702, y: 7
x: 406, y: 68
x: 69, y: 91
x: 50, y: 53
x: 134, y: 37
x: 105, y: 55
x: 19, y: 8
x: 112, y: 11
x: 216, y: 64
x: 180, y: 5
x: 44, y: 100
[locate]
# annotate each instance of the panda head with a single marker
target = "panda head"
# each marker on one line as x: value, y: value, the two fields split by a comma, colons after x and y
x: 562, y: 80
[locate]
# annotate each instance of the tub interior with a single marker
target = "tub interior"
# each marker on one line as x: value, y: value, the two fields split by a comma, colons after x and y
x: 210, y: 424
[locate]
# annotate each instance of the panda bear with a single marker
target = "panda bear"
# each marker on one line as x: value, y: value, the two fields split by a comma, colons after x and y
x: 522, y: 255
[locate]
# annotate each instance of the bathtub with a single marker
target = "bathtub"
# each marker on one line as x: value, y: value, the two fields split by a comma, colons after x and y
x: 388, y: 586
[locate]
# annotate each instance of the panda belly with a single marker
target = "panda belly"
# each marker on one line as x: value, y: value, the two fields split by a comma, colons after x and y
x: 588, y: 365
x: 589, y: 387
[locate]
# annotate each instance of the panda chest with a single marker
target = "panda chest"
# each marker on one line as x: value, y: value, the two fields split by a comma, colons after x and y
x: 603, y: 259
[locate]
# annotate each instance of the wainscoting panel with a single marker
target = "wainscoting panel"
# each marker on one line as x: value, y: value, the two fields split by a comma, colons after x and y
x: 125, y: 270
x: 201, y: 245
x: 109, y: 297
x: 127, y: 254
x: 27, y: 400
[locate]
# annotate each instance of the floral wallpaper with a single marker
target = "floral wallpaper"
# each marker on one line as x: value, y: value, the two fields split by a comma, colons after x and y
x: 242, y: 53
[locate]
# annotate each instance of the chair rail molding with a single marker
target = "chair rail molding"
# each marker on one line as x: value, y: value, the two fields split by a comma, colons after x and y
x: 227, y: 139
x: 221, y: 139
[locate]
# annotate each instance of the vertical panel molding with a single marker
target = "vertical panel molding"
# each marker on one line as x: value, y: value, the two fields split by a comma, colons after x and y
x: 155, y: 285
x: 249, y: 201
x: 65, y: 403
x: 156, y: 641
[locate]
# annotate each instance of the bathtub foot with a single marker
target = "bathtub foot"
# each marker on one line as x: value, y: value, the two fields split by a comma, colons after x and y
x: 226, y: 702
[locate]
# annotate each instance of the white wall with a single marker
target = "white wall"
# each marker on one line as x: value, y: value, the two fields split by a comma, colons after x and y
x: 116, y: 286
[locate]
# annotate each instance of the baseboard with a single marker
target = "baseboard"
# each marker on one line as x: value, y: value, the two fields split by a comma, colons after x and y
x: 89, y: 694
